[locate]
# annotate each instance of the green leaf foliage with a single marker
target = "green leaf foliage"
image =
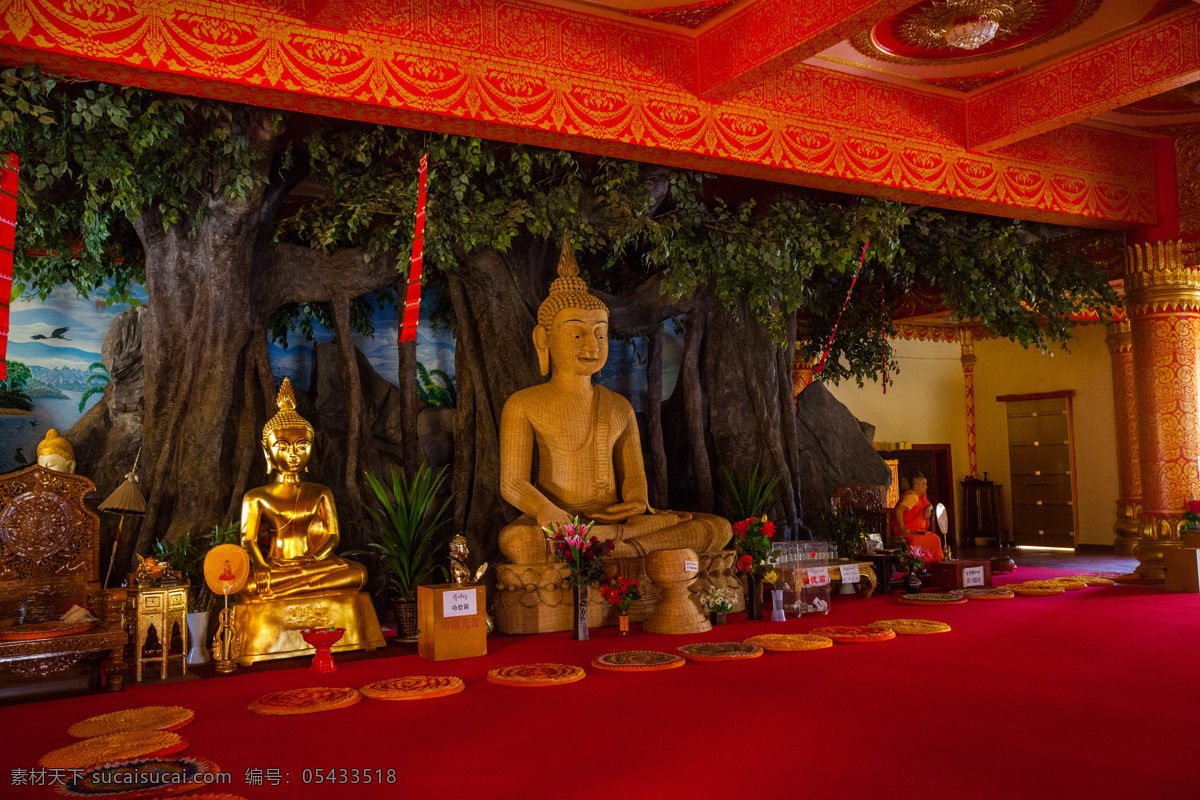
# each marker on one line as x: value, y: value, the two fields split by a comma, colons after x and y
x: 408, y: 537
x: 748, y: 495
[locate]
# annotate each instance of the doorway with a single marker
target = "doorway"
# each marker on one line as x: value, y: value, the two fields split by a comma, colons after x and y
x: 934, y: 462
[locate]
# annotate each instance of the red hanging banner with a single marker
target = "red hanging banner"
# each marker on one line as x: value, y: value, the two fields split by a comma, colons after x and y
x: 412, y: 303
x: 829, y: 344
x: 8, y: 236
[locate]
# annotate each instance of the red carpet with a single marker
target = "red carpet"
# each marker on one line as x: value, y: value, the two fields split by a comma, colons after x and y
x: 1090, y: 694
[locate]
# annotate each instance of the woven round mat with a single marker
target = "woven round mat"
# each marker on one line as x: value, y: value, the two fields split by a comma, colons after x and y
x: 44, y: 630
x: 140, y: 778
x: 113, y: 747
x: 911, y: 627
x: 933, y: 599
x: 790, y: 642
x: 854, y: 633
x: 143, y: 718
x: 414, y: 687
x: 310, y: 700
x: 719, y: 651
x: 1037, y: 588
x: 988, y: 593
x: 536, y: 675
x: 1093, y: 580
x: 1070, y: 584
x: 638, y: 661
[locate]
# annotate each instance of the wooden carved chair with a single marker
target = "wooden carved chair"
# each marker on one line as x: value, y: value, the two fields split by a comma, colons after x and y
x: 50, y: 557
x: 867, y: 499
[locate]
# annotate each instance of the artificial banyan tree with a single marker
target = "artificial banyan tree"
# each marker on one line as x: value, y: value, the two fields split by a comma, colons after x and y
x: 246, y: 224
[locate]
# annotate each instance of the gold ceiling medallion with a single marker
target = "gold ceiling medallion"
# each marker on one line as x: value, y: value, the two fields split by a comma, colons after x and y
x: 933, y: 39
x: 929, y: 26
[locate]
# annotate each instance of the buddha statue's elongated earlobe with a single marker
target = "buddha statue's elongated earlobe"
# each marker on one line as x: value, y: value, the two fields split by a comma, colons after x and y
x: 541, y: 342
x: 267, y: 456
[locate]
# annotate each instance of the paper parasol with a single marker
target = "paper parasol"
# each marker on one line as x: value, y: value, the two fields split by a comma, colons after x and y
x: 226, y: 568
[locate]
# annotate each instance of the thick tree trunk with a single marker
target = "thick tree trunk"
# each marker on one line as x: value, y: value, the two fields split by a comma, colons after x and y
x: 749, y: 394
x: 654, y: 428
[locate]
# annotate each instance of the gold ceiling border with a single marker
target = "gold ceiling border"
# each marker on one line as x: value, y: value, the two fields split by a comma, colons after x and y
x: 864, y: 42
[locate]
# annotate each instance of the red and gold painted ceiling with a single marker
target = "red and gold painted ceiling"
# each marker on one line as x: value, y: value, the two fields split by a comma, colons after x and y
x: 1069, y: 115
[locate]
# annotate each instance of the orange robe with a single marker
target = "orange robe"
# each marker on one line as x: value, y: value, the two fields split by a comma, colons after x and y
x: 914, y: 520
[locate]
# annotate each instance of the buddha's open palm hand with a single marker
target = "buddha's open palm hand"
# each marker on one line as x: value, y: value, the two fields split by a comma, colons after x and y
x: 552, y: 517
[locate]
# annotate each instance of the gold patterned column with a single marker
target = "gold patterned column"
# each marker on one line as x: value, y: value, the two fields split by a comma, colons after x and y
x: 1129, y: 470
x: 1162, y: 298
x: 967, y: 341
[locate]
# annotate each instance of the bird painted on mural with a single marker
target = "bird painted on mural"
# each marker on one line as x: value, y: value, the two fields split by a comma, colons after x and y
x: 19, y: 457
x: 56, y: 334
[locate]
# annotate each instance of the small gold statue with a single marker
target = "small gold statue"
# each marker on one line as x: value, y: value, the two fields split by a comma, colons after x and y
x: 460, y: 573
x: 55, y: 452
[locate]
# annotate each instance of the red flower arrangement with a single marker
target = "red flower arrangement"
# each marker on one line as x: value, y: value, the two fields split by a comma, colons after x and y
x: 752, y: 541
x: 1191, y: 515
x: 620, y: 592
x: 583, y: 555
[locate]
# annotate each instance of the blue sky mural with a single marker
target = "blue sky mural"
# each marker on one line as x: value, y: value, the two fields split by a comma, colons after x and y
x: 59, y: 341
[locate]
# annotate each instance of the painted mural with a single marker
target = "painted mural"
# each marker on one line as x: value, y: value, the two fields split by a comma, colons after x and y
x: 55, y: 370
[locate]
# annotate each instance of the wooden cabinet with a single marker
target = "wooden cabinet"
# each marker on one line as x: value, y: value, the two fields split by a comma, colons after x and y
x: 1041, y: 451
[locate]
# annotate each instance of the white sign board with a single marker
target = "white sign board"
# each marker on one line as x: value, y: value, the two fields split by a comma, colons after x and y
x: 459, y: 602
x: 691, y: 566
x: 849, y: 573
x: 972, y: 576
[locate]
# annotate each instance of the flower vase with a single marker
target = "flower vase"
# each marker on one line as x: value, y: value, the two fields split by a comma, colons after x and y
x: 777, y: 613
x: 197, y: 624
x: 754, y: 587
x: 623, y: 624
x: 716, y: 617
x: 580, y: 632
x: 912, y: 581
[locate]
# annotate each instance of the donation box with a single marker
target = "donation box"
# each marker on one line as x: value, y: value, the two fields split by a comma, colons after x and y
x: 452, y: 621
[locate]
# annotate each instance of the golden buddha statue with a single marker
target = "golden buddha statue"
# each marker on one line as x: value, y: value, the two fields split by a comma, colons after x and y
x: 55, y: 452
x: 290, y: 531
x: 589, y: 450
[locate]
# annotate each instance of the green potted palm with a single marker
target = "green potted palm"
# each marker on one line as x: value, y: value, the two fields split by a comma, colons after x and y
x: 408, y: 537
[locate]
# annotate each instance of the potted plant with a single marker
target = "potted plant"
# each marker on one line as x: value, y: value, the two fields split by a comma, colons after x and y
x: 717, y: 602
x: 752, y: 543
x: 408, y: 537
x: 913, y: 561
x: 621, y: 592
x: 186, y: 556
x: 747, y: 495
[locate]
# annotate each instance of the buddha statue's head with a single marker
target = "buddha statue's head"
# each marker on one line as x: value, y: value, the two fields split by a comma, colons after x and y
x: 572, y: 329
x: 287, y: 437
x: 55, y: 452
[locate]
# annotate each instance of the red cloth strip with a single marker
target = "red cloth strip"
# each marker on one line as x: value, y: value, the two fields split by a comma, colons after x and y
x: 829, y: 344
x: 412, y: 303
x: 8, y: 235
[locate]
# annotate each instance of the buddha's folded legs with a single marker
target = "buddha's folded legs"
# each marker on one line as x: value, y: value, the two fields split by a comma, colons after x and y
x: 523, y: 542
x: 307, y: 577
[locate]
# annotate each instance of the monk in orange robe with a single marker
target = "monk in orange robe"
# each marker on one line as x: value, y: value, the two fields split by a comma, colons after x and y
x: 912, y: 519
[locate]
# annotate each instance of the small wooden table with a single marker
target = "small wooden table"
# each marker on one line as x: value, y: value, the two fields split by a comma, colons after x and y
x: 160, y: 607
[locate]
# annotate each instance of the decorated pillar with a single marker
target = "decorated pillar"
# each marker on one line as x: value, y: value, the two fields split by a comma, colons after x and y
x: 1129, y: 470
x: 1162, y: 299
x: 967, y: 342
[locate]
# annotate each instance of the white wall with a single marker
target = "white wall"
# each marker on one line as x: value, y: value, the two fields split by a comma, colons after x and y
x: 925, y: 405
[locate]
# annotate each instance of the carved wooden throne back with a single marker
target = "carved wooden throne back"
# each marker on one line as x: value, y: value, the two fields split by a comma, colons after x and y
x: 49, y: 542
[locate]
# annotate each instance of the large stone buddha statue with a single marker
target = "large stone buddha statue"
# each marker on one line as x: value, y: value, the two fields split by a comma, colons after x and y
x: 588, y: 447
x: 290, y: 530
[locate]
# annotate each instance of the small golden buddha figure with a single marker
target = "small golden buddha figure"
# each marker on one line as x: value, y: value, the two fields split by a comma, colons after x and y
x: 299, y: 517
x: 460, y: 573
x: 55, y: 452
x: 588, y: 446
